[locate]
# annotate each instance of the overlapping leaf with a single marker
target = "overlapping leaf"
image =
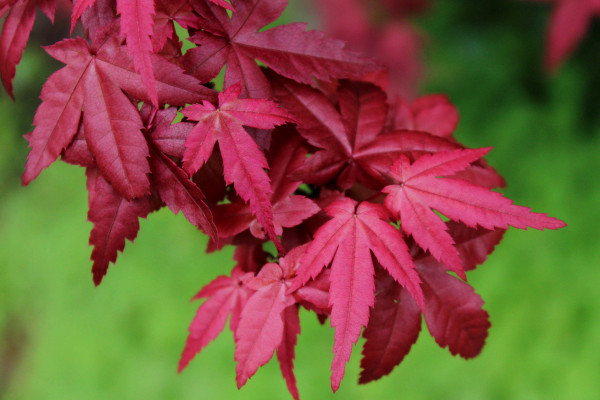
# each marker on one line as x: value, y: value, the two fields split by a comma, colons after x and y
x: 288, y: 49
x: 346, y: 241
x: 419, y: 190
x: 243, y: 162
x: 93, y: 80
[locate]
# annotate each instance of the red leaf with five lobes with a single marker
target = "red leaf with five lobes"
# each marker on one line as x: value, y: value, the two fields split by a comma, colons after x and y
x: 394, y: 326
x: 289, y: 50
x: 260, y: 330
x: 112, y: 127
x: 285, y: 350
x: 137, y: 22
x: 419, y: 191
x: 179, y: 193
x: 433, y: 114
x: 224, y: 295
x: 115, y: 219
x: 15, y: 34
x: 568, y: 25
x: 453, y: 313
x: 243, y: 162
x: 347, y: 241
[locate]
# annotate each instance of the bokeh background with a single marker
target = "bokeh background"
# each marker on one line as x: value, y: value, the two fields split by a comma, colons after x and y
x: 61, y: 338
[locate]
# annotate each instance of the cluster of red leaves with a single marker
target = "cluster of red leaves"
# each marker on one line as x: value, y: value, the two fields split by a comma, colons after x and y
x: 568, y: 24
x: 341, y: 177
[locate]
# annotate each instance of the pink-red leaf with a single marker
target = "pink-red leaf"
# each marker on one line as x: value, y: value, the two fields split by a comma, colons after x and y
x: 347, y: 241
x: 419, y: 190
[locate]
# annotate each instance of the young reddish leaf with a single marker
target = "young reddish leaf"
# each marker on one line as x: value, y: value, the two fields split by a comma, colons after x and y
x: 243, y: 162
x: 285, y: 351
x: 419, y: 191
x: 453, y: 313
x: 288, y: 49
x: 137, y: 21
x: 179, y: 193
x: 394, y: 326
x: 112, y: 127
x: 115, y: 219
x: 15, y: 34
x: 224, y: 295
x: 347, y: 241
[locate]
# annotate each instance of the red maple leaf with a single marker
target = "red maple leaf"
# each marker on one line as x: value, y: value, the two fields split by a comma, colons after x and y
x: 346, y: 241
x: 419, y: 190
x: 288, y: 49
x: 243, y: 162
x: 93, y: 79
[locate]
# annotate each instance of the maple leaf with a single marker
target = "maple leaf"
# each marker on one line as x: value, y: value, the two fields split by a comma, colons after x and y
x: 568, y: 24
x: 225, y: 295
x: 419, y: 190
x: 287, y: 154
x: 243, y: 162
x: 93, y: 79
x: 288, y: 49
x: 115, y: 219
x: 346, y: 241
x: 15, y: 34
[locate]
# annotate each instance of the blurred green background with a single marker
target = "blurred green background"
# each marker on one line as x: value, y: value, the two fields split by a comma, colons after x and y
x: 61, y: 338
